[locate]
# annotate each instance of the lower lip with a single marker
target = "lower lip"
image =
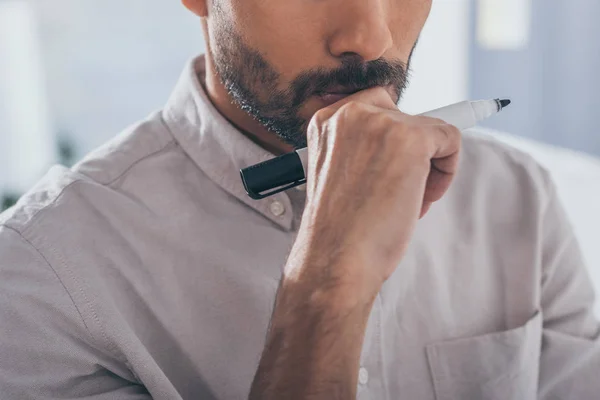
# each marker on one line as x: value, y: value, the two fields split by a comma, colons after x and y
x: 331, y: 98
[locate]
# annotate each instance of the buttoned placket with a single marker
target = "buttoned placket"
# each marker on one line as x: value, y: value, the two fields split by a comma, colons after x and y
x: 371, y: 383
x: 218, y: 148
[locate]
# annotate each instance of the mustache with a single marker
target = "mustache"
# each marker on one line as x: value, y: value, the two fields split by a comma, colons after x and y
x: 352, y: 76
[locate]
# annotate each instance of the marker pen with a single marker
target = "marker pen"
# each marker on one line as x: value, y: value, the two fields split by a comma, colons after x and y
x: 287, y: 171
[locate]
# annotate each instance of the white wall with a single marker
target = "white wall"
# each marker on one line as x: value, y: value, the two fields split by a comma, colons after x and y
x: 576, y: 176
x: 100, y: 81
x: 441, y: 76
x: 112, y: 62
x: 26, y: 138
x: 440, y: 66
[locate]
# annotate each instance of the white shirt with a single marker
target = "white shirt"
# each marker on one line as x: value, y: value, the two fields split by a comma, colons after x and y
x: 145, y: 271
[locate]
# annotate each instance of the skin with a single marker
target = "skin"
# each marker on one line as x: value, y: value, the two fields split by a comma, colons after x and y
x: 373, y: 171
x: 299, y: 36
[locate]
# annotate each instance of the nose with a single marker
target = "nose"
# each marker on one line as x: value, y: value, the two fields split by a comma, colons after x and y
x: 363, y: 30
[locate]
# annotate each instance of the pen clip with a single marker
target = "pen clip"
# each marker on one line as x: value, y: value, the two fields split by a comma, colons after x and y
x: 273, y: 176
x: 262, y: 195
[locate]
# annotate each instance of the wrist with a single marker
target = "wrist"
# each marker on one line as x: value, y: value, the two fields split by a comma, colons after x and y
x: 317, y: 285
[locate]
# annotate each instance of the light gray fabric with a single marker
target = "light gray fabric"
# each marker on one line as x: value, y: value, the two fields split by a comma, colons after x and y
x: 146, y: 272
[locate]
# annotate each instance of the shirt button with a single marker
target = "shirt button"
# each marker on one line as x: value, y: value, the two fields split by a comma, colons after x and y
x: 363, y: 376
x: 277, y: 209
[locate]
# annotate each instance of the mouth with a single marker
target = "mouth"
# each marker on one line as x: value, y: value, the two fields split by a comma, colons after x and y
x: 330, y: 98
x: 340, y: 90
x: 336, y: 94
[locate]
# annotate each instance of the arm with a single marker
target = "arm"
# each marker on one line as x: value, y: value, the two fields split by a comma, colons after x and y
x: 365, y: 194
x: 570, y: 358
x: 46, y: 351
x: 313, y: 345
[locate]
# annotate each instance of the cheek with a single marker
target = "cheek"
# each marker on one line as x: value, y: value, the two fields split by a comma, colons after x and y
x: 288, y: 36
x: 407, y: 19
x: 291, y: 34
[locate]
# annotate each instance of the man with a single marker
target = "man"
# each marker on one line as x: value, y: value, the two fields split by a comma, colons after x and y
x: 145, y: 271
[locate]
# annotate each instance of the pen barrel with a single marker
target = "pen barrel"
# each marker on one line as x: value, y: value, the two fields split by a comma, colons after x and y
x: 286, y: 171
x: 466, y: 114
x: 273, y: 176
x: 460, y: 115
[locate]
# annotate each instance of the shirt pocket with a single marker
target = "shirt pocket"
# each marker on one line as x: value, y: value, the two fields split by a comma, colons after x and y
x: 501, y: 365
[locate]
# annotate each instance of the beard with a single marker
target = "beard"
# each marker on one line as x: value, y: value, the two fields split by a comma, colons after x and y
x: 253, y: 83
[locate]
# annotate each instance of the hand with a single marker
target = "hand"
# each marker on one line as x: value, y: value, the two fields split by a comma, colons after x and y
x: 373, y: 172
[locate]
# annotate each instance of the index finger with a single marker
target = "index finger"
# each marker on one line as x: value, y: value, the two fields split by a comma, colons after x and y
x: 377, y: 96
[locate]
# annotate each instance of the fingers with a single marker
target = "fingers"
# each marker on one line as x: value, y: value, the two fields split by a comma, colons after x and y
x: 438, y: 183
x: 446, y: 140
x: 376, y: 96
x: 444, y: 162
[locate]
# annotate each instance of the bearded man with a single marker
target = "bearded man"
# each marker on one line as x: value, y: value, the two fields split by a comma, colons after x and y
x: 416, y: 263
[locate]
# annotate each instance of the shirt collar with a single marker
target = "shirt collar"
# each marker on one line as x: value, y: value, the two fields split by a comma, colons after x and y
x: 216, y: 146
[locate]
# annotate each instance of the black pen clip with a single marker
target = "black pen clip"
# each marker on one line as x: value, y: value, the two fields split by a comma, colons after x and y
x: 258, y: 196
x: 273, y: 176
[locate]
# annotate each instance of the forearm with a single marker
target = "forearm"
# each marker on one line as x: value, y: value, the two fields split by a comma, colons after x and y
x: 313, y: 345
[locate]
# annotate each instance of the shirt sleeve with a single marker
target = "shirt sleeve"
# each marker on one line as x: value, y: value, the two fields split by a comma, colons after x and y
x: 570, y: 357
x: 46, y: 351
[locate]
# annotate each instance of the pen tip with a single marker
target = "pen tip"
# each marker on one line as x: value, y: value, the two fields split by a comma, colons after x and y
x: 504, y: 103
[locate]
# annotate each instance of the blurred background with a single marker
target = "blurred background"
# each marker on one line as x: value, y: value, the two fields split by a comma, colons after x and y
x: 73, y: 73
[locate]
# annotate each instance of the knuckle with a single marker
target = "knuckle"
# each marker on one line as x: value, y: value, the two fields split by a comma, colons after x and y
x: 379, y: 92
x: 436, y: 121
x: 318, y: 124
x: 452, y: 133
x: 381, y: 121
x: 404, y: 139
x: 350, y: 117
x: 321, y: 116
x: 312, y: 133
x: 416, y: 142
x: 351, y: 108
x: 384, y: 129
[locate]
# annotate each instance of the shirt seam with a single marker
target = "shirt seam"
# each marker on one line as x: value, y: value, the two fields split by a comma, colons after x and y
x: 109, y: 345
x: 31, y: 220
x: 113, y: 350
x: 60, y: 280
x: 164, y: 147
x: 167, y: 115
